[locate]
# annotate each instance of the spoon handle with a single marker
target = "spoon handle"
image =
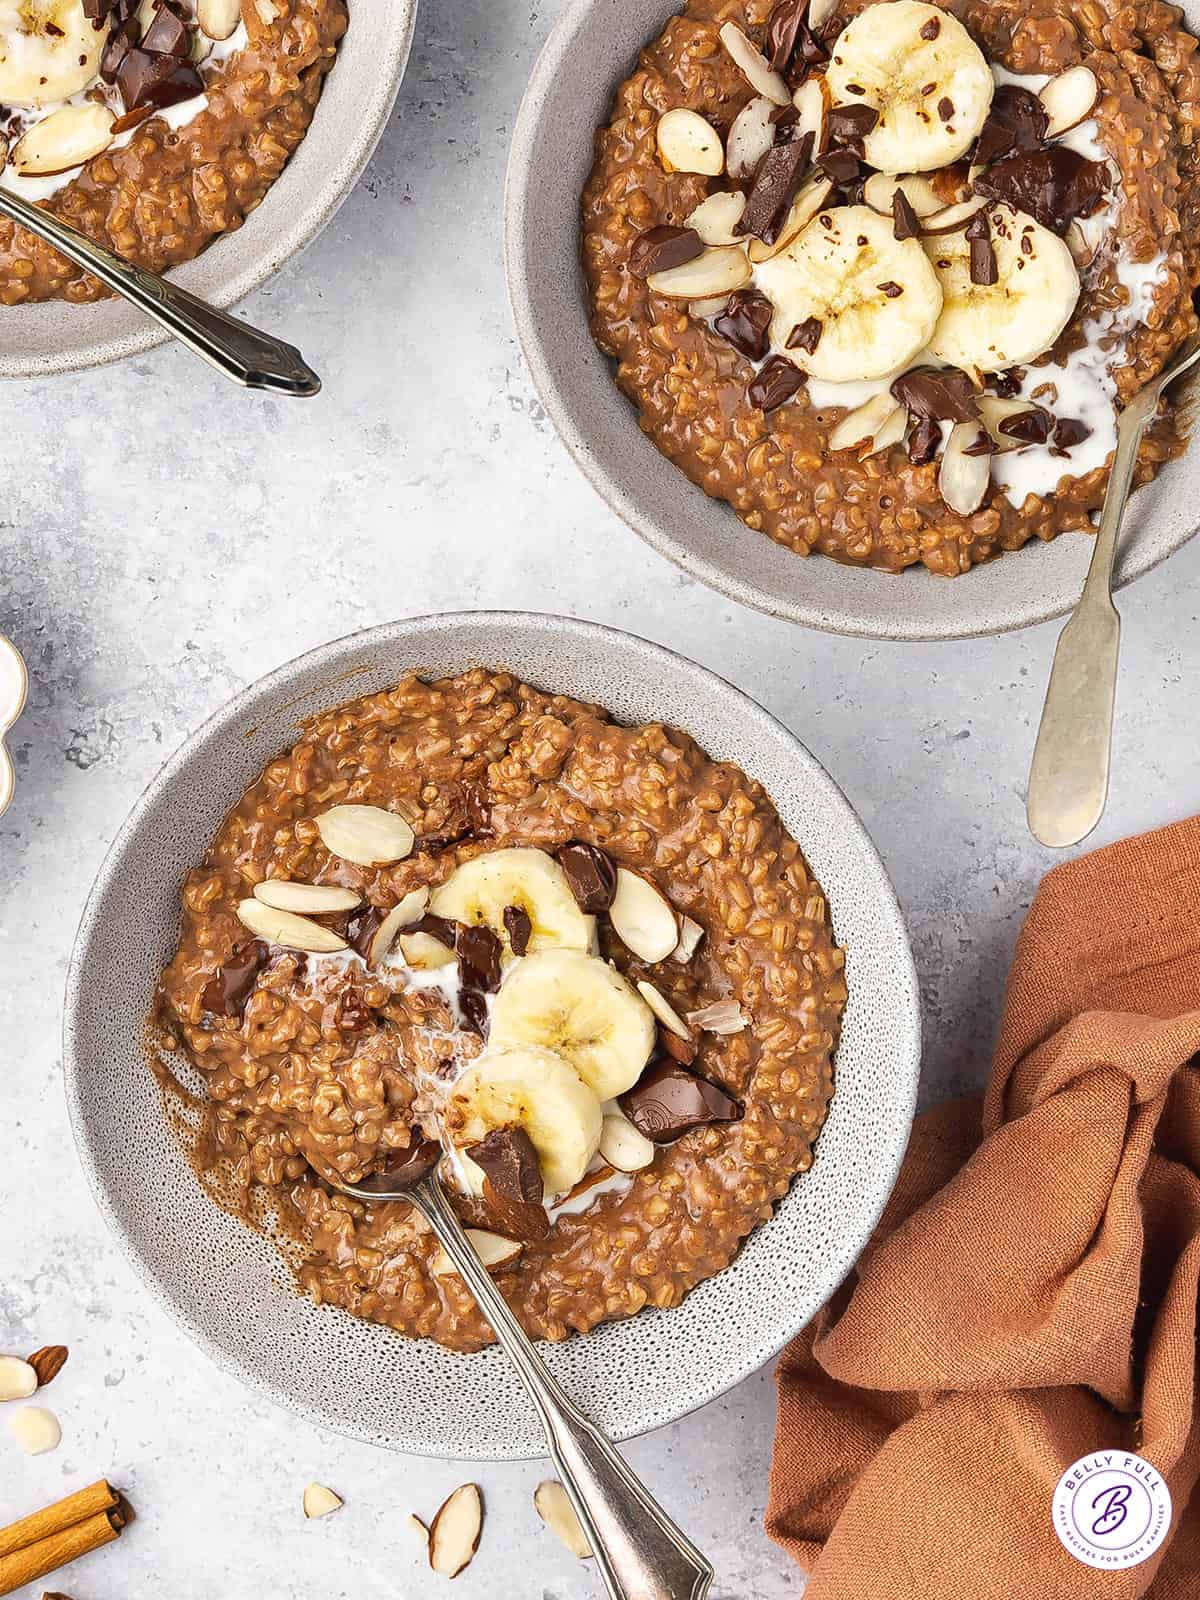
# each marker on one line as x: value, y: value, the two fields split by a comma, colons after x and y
x: 235, y: 348
x: 641, y: 1554
x: 1068, y: 780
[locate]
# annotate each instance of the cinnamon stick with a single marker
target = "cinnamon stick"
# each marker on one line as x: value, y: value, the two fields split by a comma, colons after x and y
x: 34, y: 1561
x: 77, y: 1507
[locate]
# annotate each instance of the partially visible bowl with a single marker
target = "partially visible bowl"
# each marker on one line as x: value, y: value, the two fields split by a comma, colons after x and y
x: 13, y: 686
x: 590, y: 52
x: 226, y: 1286
x: 356, y: 101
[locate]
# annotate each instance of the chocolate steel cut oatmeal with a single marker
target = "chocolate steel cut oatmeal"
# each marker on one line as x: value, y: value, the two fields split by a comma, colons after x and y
x: 585, y: 958
x: 151, y: 127
x: 1047, y: 165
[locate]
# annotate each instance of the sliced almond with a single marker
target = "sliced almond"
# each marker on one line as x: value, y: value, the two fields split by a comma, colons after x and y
x: 712, y: 307
x: 218, y: 18
x: 663, y: 1009
x: 589, y: 1181
x: 951, y: 219
x: 859, y: 427
x: 963, y: 479
x: 414, y: 1523
x: 423, y: 952
x: 819, y: 12
x: 622, y: 1145
x: 553, y: 1504
x: 714, y: 219
x: 366, y: 835
x: 753, y: 66
x: 1084, y: 237
x: 751, y: 135
x: 1069, y: 99
x: 286, y: 929
x: 454, y: 1531
x: 880, y: 188
x: 36, y: 1430
x: 312, y: 899
x: 491, y: 1248
x: 63, y: 140
x: 201, y: 47
x: 994, y: 410
x: 722, y: 1016
x: 18, y: 1379
x: 402, y: 915
x: 690, y: 935
x: 642, y: 917
x: 718, y: 271
x: 686, y: 143
x: 890, y: 432
x: 320, y: 1501
x: 810, y: 101
x: 803, y: 209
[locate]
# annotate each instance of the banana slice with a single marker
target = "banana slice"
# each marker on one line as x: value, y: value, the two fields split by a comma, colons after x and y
x: 481, y: 889
x: 48, y: 51
x: 580, y: 1007
x: 875, y: 298
x: 524, y: 1087
x: 992, y: 326
x: 924, y: 74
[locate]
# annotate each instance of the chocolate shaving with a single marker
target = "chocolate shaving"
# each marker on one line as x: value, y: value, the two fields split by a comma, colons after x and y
x: 518, y: 928
x: 670, y: 1101
x: 923, y: 441
x: 776, y: 183
x: 745, y: 323
x: 478, y: 951
x: 905, y: 222
x: 1027, y: 427
x: 1055, y: 186
x: 983, y: 255
x: 1017, y: 121
x: 1069, y: 431
x: 592, y: 875
x: 362, y: 927
x: 982, y: 445
x: 778, y: 380
x: 227, y: 991
x: 938, y: 393
x: 659, y: 249
x: 806, y: 335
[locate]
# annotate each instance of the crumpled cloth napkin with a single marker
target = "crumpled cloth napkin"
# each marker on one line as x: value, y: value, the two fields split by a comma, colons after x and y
x: 1030, y: 1295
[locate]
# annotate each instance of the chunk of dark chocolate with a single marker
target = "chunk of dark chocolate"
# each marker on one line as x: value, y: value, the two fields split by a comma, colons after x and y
x: 1017, y: 121
x: 849, y: 125
x: 841, y: 165
x: 168, y: 33
x: 1028, y: 427
x: 983, y: 266
x: 939, y: 393
x: 519, y: 929
x: 473, y: 1010
x: 777, y: 380
x: 226, y: 992
x: 145, y: 78
x: 923, y: 441
x: 362, y: 927
x: 1055, y: 185
x: 510, y: 1163
x: 806, y: 335
x: 783, y: 31
x: 478, y: 952
x: 118, y: 45
x: 404, y: 1166
x: 776, y: 182
x: 746, y: 322
x: 905, y: 222
x: 659, y: 249
x: 1007, y: 384
x: 670, y: 1101
x: 1069, y: 431
x: 591, y: 874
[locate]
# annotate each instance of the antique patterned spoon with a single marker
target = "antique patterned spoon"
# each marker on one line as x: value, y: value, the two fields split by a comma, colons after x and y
x: 1068, y: 781
x: 641, y: 1554
x: 251, y: 358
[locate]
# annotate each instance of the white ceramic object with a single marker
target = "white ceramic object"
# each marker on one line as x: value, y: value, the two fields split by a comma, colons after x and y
x: 356, y: 101
x: 591, y: 50
x: 13, y: 686
x: 225, y: 1285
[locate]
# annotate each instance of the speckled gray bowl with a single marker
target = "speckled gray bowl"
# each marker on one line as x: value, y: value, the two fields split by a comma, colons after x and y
x: 39, y: 340
x: 228, y: 1289
x: 591, y: 50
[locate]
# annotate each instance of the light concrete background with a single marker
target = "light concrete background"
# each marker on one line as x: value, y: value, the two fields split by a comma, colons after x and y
x: 165, y: 541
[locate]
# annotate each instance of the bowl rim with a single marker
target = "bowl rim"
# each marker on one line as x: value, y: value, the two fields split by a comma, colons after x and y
x: 314, y: 210
x: 1132, y: 563
x: 904, y: 1059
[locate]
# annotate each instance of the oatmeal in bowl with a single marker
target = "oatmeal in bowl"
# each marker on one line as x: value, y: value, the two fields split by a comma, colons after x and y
x: 881, y: 276
x: 582, y: 961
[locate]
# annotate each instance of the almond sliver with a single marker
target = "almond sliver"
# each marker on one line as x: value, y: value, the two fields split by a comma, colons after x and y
x: 963, y: 479
x: 750, y: 137
x: 311, y: 899
x: 753, y: 66
x: 663, y: 1009
x: 218, y: 18
x: 686, y: 143
x: 1068, y: 99
x: 63, y: 140
x: 367, y: 835
x: 454, y: 1531
x: 642, y: 917
x: 553, y: 1505
x: 286, y: 929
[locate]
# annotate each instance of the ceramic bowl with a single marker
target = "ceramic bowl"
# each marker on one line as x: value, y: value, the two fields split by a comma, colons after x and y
x: 591, y: 51
x: 13, y: 685
x: 355, y: 104
x: 227, y: 1288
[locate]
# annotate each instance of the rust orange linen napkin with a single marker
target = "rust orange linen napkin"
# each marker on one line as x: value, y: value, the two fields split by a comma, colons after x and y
x: 1030, y: 1296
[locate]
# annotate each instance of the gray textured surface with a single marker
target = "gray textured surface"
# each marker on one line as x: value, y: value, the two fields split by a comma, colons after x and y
x: 256, y: 530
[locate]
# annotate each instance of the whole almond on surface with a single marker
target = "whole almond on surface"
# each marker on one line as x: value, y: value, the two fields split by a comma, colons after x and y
x: 48, y: 1362
x: 18, y: 1379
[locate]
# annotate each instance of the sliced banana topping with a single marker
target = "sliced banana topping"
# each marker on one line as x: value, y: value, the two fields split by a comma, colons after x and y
x: 50, y: 51
x: 581, y: 1008
x: 874, y: 299
x: 988, y: 327
x: 522, y: 1086
x: 919, y: 68
x: 483, y: 888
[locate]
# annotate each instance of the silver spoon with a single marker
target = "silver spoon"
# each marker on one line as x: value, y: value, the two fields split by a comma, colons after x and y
x: 641, y: 1554
x: 241, y: 352
x: 1068, y: 781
